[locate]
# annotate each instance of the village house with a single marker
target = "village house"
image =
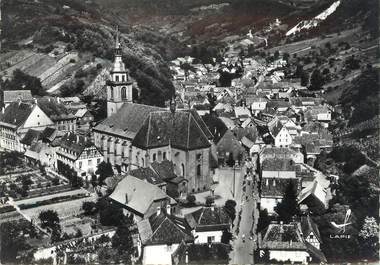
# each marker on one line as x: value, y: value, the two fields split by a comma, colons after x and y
x: 229, y: 148
x: 279, y: 133
x: 276, y: 176
x: 79, y: 153
x: 314, y: 196
x: 16, y: 119
x: 161, y: 235
x: 208, y: 224
x: 296, y: 242
x: 280, y: 153
x: 63, y: 119
x: 129, y: 192
x: 9, y: 96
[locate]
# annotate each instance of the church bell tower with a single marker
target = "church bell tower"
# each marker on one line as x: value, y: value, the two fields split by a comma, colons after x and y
x: 119, y: 87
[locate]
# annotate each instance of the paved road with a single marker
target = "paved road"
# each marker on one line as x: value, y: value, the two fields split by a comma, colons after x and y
x: 246, y: 199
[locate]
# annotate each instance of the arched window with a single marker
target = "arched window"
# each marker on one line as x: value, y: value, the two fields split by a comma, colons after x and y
x: 154, y: 157
x: 198, y: 170
x: 117, y: 78
x: 123, y: 93
x: 183, y: 169
x: 164, y: 155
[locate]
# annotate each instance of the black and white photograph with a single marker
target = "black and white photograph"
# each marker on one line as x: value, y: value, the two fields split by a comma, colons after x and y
x: 176, y: 132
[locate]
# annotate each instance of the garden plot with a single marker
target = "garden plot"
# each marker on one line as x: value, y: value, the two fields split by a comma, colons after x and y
x: 65, y: 209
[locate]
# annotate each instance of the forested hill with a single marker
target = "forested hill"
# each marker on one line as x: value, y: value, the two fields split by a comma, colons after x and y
x: 85, y: 28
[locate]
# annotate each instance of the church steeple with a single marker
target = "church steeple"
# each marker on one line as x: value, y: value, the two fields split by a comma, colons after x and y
x: 119, y: 89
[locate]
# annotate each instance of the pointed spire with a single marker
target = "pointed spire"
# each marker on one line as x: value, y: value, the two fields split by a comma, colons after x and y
x: 117, y: 43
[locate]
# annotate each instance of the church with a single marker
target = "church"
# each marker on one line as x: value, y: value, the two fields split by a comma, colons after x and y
x: 135, y: 135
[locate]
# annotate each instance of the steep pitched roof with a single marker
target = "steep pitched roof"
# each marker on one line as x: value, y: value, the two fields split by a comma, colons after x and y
x: 147, y: 174
x: 308, y: 226
x: 53, y: 109
x: 16, y: 113
x: 316, y: 190
x: 75, y: 142
x: 283, y: 236
x: 164, y: 229
x: 276, y: 187
x: 128, y: 120
x: 275, y: 127
x: 208, y: 219
x: 15, y: 95
x: 165, y: 169
x: 179, y: 129
x: 30, y: 137
x: 277, y: 164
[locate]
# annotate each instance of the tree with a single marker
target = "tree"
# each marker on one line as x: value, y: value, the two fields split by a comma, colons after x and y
x: 288, y: 207
x: 49, y: 219
x: 104, y: 171
x: 226, y: 237
x: 191, y: 199
x: 369, y: 237
x: 229, y: 207
x: 12, y: 241
x: 209, y: 201
x: 122, y: 241
x: 109, y: 213
x: 316, y: 80
x: 264, y: 220
x: 89, y: 208
x: 22, y: 80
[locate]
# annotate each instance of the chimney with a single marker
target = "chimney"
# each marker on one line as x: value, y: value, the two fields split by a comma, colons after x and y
x: 58, y: 99
x: 281, y: 227
x: 168, y: 209
x: 77, y: 138
x: 158, y: 210
x: 35, y: 100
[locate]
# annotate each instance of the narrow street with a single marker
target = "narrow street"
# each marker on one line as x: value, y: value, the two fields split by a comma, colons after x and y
x: 246, y: 199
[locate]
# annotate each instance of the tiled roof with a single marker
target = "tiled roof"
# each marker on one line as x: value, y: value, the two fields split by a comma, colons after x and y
x: 30, y: 137
x: 128, y: 120
x: 49, y: 133
x: 162, y: 228
x: 201, y: 123
x: 53, y: 109
x: 179, y: 129
x: 208, y: 219
x: 146, y: 174
x: 275, y: 128
x: 165, y: 169
x: 15, y: 95
x: 16, y: 113
x: 308, y: 226
x: 229, y: 143
x: 137, y: 194
x: 276, y: 164
x: 276, y: 189
x: 74, y: 142
x: 316, y: 190
x: 315, y: 253
x: 273, y: 151
x: 283, y: 236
